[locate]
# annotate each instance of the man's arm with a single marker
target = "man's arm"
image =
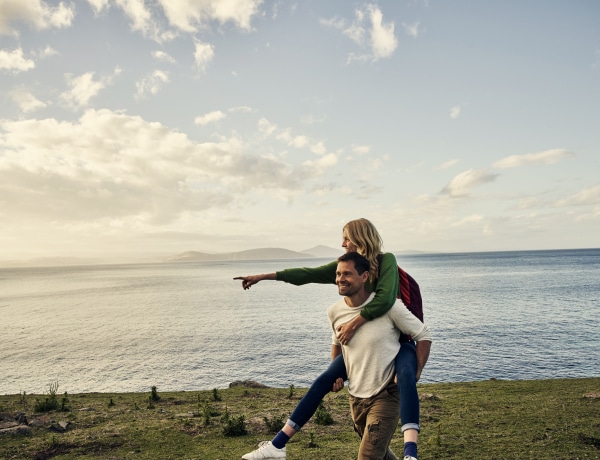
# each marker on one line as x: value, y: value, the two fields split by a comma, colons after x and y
x: 423, y: 348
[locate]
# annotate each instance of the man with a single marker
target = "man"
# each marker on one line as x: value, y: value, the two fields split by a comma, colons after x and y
x: 369, y: 357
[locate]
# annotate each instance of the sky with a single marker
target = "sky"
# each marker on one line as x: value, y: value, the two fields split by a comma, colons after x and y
x: 131, y: 128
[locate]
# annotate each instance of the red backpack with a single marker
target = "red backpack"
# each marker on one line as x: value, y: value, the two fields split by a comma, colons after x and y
x: 410, y: 294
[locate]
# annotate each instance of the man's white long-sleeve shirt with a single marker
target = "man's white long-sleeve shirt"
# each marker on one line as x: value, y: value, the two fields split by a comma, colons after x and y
x: 370, y: 355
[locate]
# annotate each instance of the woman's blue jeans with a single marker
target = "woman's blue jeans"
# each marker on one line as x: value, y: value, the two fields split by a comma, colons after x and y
x: 406, y: 371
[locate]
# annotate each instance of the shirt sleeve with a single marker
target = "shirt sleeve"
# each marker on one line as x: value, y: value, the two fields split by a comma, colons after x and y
x: 386, y: 289
x: 325, y: 274
x: 409, y: 324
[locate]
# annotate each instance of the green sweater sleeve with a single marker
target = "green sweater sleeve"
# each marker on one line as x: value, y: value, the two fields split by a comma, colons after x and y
x: 325, y: 274
x: 386, y: 289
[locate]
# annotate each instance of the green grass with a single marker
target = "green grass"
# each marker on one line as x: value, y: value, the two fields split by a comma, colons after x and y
x: 538, y: 419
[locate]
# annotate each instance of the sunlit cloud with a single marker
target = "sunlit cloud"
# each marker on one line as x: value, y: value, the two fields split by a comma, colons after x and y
x: 546, y: 157
x: 163, y: 57
x: 192, y: 15
x: 461, y: 185
x: 14, y: 61
x: 455, y: 112
x: 587, y: 196
x: 36, y: 13
x: 448, y: 164
x: 25, y: 100
x: 84, y: 88
x: 203, y: 54
x: 210, y: 117
x: 376, y: 34
x: 112, y: 165
x: 151, y: 84
x: 412, y: 30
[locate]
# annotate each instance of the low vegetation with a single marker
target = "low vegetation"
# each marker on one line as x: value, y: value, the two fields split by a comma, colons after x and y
x: 546, y: 419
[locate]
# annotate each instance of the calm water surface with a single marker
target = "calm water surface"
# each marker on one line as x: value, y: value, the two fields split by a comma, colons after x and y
x: 508, y: 315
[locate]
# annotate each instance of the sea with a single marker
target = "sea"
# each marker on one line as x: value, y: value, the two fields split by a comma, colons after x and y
x: 186, y: 327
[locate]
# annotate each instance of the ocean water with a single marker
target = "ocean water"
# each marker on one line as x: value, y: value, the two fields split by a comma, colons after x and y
x: 121, y: 328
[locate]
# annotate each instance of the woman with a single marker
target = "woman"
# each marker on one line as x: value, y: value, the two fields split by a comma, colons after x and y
x: 358, y: 236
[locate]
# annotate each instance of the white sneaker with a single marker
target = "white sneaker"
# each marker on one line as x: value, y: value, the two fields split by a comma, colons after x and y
x: 266, y: 451
x: 408, y: 457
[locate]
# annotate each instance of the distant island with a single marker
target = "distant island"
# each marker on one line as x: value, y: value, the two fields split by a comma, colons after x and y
x: 257, y: 254
x: 320, y: 251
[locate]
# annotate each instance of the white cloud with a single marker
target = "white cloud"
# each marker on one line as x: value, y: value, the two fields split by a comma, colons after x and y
x: 109, y: 165
x: 380, y: 38
x: 162, y: 56
x: 546, y: 157
x: 587, y: 196
x: 26, y: 101
x: 37, y: 13
x: 383, y: 40
x: 455, y: 112
x: 203, y: 54
x: 14, y: 61
x: 447, y: 164
x: 151, y: 84
x: 192, y: 15
x: 411, y: 30
x: 210, y: 117
x: 361, y: 149
x: 83, y: 88
x: 462, y: 184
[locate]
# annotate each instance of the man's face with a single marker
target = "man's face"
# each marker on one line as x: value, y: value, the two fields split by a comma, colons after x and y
x: 348, y: 280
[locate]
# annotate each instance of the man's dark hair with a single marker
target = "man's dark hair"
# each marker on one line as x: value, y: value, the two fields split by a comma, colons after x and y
x: 360, y: 262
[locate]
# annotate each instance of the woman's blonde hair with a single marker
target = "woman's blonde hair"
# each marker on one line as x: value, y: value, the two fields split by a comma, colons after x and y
x: 363, y: 234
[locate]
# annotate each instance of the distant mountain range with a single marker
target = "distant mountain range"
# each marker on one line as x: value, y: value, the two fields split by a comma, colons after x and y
x: 321, y: 252
x: 257, y: 254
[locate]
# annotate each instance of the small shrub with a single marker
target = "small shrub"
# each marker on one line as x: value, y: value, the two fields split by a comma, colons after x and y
x: 234, y: 426
x: 274, y: 424
x: 311, y: 440
x: 291, y: 393
x: 63, y: 403
x: 322, y: 416
x: 150, y: 402
x: 154, y: 394
x: 50, y: 403
x: 216, y: 395
x: 111, y: 403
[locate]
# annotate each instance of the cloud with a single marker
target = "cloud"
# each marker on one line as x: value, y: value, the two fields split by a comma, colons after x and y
x: 383, y: 40
x: 26, y: 101
x: 587, y: 196
x: 83, y: 88
x: 546, y: 157
x: 109, y: 165
x: 412, y: 30
x: 162, y: 56
x: 210, y: 117
x: 37, y: 13
x: 14, y: 61
x: 203, y: 54
x: 151, y: 84
x: 455, y: 112
x: 380, y: 38
x: 447, y: 164
x: 461, y: 185
x: 192, y: 15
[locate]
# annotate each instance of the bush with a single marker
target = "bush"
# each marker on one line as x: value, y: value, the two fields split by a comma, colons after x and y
x: 274, y: 424
x: 322, y: 416
x: 50, y: 403
x: 234, y: 426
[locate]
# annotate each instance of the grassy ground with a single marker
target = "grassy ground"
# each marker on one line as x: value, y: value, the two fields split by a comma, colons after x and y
x: 545, y: 419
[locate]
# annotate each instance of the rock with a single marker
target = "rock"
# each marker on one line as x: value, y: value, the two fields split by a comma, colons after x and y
x: 16, y: 431
x: 247, y: 383
x: 8, y: 424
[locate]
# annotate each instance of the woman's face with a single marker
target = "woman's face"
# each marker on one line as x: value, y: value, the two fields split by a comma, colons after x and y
x: 347, y: 244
